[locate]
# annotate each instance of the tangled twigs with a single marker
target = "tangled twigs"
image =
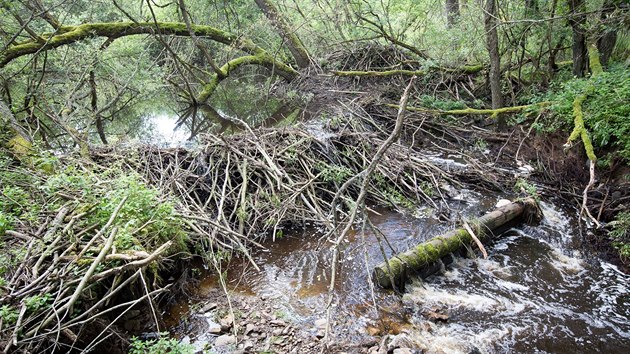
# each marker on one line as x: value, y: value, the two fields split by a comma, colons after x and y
x: 53, y: 294
x: 360, y: 200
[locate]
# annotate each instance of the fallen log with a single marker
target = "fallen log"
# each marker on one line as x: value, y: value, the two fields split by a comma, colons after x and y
x: 428, y: 258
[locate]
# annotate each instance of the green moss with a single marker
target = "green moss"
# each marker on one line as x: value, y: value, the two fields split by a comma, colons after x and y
x: 473, y: 111
x: 19, y: 145
x: 262, y: 58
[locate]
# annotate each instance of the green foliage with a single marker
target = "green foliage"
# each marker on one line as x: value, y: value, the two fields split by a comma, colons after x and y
x: 145, y: 221
x: 620, y: 234
x: 163, y: 345
x: 8, y: 314
x: 606, y: 109
x: 524, y: 186
x: 428, y: 101
x: 334, y: 173
x: 6, y: 223
x: 38, y: 301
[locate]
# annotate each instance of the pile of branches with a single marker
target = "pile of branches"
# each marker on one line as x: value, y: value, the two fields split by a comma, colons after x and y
x: 387, y: 69
x: 370, y: 56
x: 74, y: 282
x: 75, y: 258
x: 236, y: 189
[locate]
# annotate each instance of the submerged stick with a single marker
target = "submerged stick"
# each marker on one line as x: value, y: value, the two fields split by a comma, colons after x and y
x: 424, y: 259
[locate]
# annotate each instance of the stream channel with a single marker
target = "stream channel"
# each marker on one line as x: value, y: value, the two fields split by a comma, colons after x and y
x: 536, y: 292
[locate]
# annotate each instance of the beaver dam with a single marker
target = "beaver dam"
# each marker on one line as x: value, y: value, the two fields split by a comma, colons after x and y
x: 357, y: 176
x: 278, y: 232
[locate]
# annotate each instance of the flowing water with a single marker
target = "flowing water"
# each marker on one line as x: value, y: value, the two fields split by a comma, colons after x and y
x: 535, y: 293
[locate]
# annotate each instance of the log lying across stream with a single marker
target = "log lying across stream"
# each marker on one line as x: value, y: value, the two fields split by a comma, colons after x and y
x: 427, y: 258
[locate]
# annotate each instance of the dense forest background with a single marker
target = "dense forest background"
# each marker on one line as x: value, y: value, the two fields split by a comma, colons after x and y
x: 81, y: 79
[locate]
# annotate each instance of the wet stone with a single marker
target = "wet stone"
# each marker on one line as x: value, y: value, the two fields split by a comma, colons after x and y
x: 278, y: 323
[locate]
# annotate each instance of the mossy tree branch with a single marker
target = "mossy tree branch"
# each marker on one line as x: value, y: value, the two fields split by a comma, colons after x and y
x: 466, y: 69
x: 261, y: 59
x: 20, y: 143
x: 72, y: 34
x: 471, y: 111
x: 579, y: 130
x: 294, y: 44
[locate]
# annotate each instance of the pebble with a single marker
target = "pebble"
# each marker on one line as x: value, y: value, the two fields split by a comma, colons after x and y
x: 227, y: 322
x: 278, y: 323
x: 214, y: 328
x: 321, y: 323
x: 251, y: 328
x: 225, y: 340
x: 403, y: 351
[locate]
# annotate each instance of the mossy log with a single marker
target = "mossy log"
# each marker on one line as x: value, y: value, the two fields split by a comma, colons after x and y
x: 466, y: 69
x: 470, y: 111
x: 426, y: 258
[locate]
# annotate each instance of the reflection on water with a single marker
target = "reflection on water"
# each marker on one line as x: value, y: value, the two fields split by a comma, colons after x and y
x: 161, y: 131
x: 533, y: 294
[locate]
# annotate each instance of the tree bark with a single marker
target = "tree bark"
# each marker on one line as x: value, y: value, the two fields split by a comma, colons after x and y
x: 606, y: 43
x: 20, y: 143
x: 112, y: 30
x: 98, y: 119
x: 424, y: 259
x: 492, y: 44
x: 580, y: 52
x: 293, y: 42
x: 452, y: 12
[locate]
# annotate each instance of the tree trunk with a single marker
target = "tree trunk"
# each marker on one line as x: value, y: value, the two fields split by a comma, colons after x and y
x: 452, y: 12
x: 492, y: 43
x: 20, y: 143
x: 424, y: 259
x: 580, y: 52
x: 94, y: 103
x: 293, y: 42
x: 606, y: 43
x: 531, y: 6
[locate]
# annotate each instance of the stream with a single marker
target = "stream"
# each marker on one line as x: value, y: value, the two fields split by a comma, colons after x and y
x: 536, y: 292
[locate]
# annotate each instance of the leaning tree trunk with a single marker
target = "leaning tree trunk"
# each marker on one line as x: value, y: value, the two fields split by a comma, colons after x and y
x: 492, y: 43
x: 426, y: 258
x: 293, y: 42
x: 580, y: 52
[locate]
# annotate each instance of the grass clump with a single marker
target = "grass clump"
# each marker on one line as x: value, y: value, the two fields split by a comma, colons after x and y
x: 620, y: 235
